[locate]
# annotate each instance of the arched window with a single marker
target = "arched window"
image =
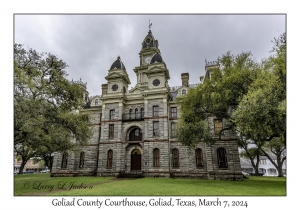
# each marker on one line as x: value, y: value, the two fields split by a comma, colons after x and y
x: 142, y: 112
x: 135, y: 135
x: 81, y: 159
x: 109, y: 158
x: 96, y: 102
x: 130, y: 113
x: 183, y: 92
x: 175, y: 158
x: 136, y: 112
x: 156, y: 157
x: 64, y: 161
x: 222, y: 158
x: 199, y: 158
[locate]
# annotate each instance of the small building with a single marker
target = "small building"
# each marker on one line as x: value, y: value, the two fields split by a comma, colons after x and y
x: 265, y: 166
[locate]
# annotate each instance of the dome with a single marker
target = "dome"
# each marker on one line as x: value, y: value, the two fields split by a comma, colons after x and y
x: 156, y: 58
x: 118, y: 64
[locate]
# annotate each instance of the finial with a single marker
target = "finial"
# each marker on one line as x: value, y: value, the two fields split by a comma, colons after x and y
x: 118, y: 57
x: 150, y: 24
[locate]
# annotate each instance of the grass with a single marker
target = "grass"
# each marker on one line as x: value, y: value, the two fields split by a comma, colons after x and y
x: 254, y: 186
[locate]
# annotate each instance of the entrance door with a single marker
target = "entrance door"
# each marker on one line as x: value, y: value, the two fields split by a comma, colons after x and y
x: 136, y: 160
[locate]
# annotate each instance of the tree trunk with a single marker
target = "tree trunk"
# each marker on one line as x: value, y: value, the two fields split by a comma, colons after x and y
x: 279, y: 164
x: 22, y: 166
x: 279, y: 169
x: 256, y: 165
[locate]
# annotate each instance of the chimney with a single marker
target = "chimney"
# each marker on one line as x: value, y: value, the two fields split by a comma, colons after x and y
x: 104, y: 89
x: 201, y: 79
x: 185, y: 79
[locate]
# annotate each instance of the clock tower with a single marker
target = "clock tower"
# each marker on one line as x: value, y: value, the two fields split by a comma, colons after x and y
x: 152, y: 72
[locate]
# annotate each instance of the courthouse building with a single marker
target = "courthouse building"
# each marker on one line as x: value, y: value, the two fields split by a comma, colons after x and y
x: 135, y: 130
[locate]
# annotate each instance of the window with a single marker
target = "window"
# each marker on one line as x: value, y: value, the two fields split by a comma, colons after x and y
x: 156, y: 157
x: 222, y: 158
x: 81, y: 159
x: 263, y: 162
x: 109, y: 158
x: 115, y: 87
x: 135, y: 135
x: 155, y: 128
x: 96, y: 102
x: 111, y: 131
x: 173, y: 111
x: 142, y: 112
x: 112, y: 114
x: 175, y: 158
x: 173, y: 130
x: 173, y: 94
x: 136, y: 112
x: 183, y: 92
x: 130, y: 113
x: 199, y: 159
x: 64, y: 161
x: 156, y: 82
x: 272, y: 171
x: 155, y: 110
x: 218, y: 126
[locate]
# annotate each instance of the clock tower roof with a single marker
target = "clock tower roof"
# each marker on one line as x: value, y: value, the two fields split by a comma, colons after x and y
x: 149, y: 41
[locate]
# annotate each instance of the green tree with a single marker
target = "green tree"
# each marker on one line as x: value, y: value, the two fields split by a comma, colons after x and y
x: 218, y: 96
x: 261, y: 114
x: 45, y: 103
x: 23, y: 152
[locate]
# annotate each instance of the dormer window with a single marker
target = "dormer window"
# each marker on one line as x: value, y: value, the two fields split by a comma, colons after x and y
x: 183, y: 92
x: 96, y: 102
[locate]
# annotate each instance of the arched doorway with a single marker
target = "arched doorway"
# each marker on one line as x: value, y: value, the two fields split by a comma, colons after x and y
x: 135, y: 135
x: 136, y: 159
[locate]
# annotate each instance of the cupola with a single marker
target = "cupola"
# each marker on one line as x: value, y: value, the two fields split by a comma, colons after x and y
x: 118, y: 64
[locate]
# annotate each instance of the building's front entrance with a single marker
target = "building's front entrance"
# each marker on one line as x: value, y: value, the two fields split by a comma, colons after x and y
x: 136, y: 159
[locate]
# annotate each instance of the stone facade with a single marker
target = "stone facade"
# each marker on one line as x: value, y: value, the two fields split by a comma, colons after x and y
x: 134, y: 130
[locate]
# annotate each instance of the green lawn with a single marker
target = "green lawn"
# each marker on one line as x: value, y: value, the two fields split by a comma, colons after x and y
x: 104, y: 186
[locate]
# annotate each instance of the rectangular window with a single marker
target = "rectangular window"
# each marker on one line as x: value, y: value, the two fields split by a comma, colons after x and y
x: 156, y: 157
x: 112, y: 114
x: 218, y: 126
x: 199, y: 161
x: 173, y: 130
x: 64, y: 161
x: 155, y: 110
x: 175, y: 158
x: 173, y: 111
x: 156, y: 128
x: 109, y: 159
x: 263, y: 162
x: 111, y: 131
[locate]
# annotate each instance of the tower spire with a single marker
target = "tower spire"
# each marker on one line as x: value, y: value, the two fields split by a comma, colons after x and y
x: 150, y: 24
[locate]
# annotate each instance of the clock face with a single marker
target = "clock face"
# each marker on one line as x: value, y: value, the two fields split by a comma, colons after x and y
x: 147, y: 59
